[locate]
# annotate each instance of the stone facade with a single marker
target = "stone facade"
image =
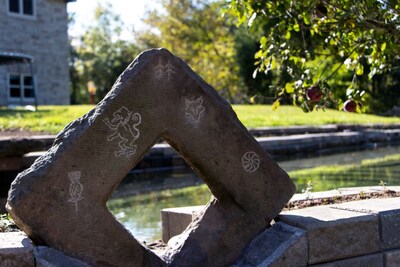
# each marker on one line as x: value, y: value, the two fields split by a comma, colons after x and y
x: 43, y: 36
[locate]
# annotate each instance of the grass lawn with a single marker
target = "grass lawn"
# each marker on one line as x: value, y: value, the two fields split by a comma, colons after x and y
x: 262, y: 115
x: 52, y: 119
x: 370, y: 172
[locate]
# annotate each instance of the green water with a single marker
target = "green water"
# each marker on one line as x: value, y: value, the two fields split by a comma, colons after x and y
x: 141, y: 214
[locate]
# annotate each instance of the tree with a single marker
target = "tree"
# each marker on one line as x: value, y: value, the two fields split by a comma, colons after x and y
x: 195, y: 31
x: 315, y: 46
x: 100, y: 55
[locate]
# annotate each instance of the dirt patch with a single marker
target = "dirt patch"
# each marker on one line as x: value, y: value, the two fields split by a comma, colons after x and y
x: 301, y: 204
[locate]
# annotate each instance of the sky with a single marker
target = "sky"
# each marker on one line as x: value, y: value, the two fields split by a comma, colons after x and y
x: 130, y: 11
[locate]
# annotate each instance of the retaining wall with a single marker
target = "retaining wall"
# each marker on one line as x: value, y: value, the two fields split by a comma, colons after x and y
x: 359, y: 233
x: 354, y: 234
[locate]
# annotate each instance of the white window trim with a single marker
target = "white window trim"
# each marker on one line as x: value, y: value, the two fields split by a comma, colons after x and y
x: 21, y: 14
x: 22, y: 98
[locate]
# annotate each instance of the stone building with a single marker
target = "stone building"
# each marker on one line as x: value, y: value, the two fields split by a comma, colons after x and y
x: 38, y: 30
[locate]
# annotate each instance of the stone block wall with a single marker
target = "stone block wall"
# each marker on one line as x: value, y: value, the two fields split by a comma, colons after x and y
x: 352, y: 234
x: 43, y: 36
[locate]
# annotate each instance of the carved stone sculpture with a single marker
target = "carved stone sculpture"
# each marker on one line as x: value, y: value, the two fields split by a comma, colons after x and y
x: 60, y: 201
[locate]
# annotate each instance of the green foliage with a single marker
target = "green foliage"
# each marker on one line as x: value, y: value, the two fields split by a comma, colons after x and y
x: 7, y: 224
x: 323, y: 43
x: 195, y: 31
x: 100, y: 55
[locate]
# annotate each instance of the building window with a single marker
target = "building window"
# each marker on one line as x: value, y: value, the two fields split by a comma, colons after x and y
x: 21, y: 87
x: 22, y: 7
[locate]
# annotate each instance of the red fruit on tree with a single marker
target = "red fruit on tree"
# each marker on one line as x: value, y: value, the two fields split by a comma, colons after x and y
x: 350, y: 106
x: 314, y: 94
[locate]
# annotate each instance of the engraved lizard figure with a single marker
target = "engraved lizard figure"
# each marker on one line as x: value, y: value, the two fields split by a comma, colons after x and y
x: 123, y: 126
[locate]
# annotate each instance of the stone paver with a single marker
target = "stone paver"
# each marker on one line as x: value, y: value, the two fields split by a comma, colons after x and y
x: 392, y: 258
x: 176, y: 220
x: 374, y: 260
x: 281, y: 245
x: 388, y: 210
x: 48, y: 257
x: 335, y: 234
x: 16, y: 249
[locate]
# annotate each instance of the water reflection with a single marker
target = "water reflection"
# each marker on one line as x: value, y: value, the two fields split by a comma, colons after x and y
x: 137, y: 204
x: 140, y: 214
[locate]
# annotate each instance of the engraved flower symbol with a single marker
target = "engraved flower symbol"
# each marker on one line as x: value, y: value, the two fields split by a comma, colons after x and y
x: 75, y: 188
x: 250, y: 161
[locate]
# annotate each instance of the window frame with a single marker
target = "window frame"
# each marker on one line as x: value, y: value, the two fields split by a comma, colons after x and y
x: 22, y: 87
x: 21, y: 13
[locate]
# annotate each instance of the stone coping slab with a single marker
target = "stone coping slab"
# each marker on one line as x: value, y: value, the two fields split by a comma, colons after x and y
x: 374, y: 260
x: 392, y: 258
x: 348, y: 191
x: 186, y: 213
x: 19, y: 146
x: 388, y: 211
x: 16, y: 249
x: 341, y: 233
x: 178, y: 221
x: 335, y: 234
x: 280, y: 245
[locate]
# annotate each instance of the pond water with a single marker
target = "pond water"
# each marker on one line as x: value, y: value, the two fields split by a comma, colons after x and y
x: 140, y: 212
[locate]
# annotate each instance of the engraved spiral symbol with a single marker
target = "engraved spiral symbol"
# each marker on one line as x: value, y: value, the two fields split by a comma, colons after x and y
x: 75, y: 188
x: 250, y: 161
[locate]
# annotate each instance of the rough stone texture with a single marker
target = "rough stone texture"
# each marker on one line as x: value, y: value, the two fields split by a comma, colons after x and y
x: 48, y: 257
x: 388, y: 210
x: 374, y: 260
x: 43, y: 36
x: 392, y: 258
x: 176, y: 220
x: 16, y: 249
x: 335, y: 234
x: 281, y: 245
x: 60, y: 200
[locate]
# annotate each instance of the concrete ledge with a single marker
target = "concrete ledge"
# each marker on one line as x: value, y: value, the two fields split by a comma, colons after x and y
x: 388, y: 212
x: 335, y: 234
x: 374, y: 260
x: 354, y: 234
x: 48, y: 257
x: 10, y: 146
x: 175, y: 220
x: 280, y: 245
x: 16, y: 249
x: 392, y: 258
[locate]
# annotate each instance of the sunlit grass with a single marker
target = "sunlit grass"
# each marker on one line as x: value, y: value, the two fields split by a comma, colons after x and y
x: 262, y: 115
x: 52, y: 119
x: 368, y: 173
x: 47, y: 119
